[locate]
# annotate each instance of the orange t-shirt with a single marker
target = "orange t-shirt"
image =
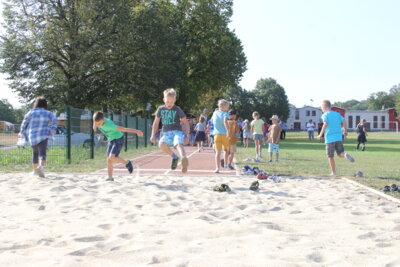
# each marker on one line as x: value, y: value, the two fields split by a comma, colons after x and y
x: 233, y: 129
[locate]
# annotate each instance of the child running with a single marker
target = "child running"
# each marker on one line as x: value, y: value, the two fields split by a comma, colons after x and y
x: 257, y: 129
x: 274, y: 138
x: 172, y: 116
x: 115, y: 141
x: 220, y: 121
x: 362, y: 134
x: 233, y: 130
x: 38, y: 126
x: 332, y: 124
x: 200, y: 136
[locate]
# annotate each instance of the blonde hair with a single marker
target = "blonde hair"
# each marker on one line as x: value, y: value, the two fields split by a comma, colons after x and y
x: 256, y: 114
x: 170, y: 92
x: 326, y: 103
x: 222, y: 103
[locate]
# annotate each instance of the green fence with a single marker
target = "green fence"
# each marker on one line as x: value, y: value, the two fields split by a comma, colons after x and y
x: 75, y: 140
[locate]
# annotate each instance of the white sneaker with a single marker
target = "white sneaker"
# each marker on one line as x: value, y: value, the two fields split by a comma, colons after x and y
x: 348, y: 157
x: 216, y: 170
x: 40, y: 171
x: 333, y: 174
x: 35, y: 173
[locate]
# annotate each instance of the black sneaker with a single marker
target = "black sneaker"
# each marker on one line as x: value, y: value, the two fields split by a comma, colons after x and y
x: 110, y: 179
x: 174, y: 163
x: 129, y: 166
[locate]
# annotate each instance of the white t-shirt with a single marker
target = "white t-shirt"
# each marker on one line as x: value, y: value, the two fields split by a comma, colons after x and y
x: 310, y: 126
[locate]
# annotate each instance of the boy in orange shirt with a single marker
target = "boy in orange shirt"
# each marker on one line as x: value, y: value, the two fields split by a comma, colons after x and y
x: 233, y: 129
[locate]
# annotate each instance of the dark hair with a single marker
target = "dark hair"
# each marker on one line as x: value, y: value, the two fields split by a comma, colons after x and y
x: 202, y: 119
x: 98, y: 116
x: 40, y: 102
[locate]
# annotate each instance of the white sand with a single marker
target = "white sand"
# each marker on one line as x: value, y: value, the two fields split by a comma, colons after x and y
x: 81, y: 220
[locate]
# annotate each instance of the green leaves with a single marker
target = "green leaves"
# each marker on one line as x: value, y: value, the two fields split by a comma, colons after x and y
x: 118, y: 54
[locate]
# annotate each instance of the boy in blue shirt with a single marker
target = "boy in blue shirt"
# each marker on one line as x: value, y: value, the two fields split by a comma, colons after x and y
x: 221, y: 133
x: 332, y: 127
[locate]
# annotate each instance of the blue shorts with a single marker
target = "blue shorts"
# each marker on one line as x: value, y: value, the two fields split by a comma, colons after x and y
x: 274, y: 148
x: 258, y: 137
x: 173, y: 138
x: 115, y: 146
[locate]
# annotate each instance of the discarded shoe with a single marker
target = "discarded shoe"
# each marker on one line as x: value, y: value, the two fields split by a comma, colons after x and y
x: 256, y: 170
x: 222, y: 188
x: 254, y: 186
x: 394, y: 188
x: 275, y: 178
x: 386, y: 188
x: 262, y: 176
x: 359, y: 174
x: 246, y: 168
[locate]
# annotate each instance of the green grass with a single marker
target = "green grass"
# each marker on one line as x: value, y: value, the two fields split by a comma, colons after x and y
x: 80, y: 162
x: 298, y: 156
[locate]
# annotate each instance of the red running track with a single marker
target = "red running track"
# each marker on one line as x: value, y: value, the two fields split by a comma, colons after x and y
x: 200, y: 164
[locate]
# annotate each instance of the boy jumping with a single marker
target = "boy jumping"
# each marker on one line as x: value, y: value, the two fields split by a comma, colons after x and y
x: 172, y: 116
x: 115, y: 141
x: 332, y: 124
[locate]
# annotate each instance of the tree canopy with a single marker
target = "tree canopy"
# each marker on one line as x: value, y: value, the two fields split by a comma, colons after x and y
x: 120, y: 55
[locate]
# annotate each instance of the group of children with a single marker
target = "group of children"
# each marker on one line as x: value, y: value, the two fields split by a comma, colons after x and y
x: 39, y: 124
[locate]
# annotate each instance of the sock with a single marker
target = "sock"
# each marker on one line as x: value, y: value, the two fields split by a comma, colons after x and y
x: 174, y: 156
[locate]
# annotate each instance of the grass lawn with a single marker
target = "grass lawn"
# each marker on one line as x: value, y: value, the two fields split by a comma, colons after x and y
x: 380, y: 162
x: 79, y: 161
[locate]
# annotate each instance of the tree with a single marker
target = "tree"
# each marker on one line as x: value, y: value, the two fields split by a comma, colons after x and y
x: 380, y: 100
x: 270, y: 99
x: 352, y: 104
x: 241, y: 100
x: 7, y: 111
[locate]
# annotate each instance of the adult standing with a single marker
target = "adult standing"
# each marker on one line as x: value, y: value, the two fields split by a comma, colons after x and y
x: 284, y: 128
x: 310, y: 129
x: 38, y: 125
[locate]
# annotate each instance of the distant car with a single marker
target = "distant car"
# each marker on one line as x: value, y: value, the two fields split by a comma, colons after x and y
x: 77, y: 139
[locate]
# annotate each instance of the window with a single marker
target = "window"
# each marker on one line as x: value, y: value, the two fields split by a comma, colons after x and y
x: 350, y: 122
x: 375, y: 122
x: 308, y: 113
x: 358, y: 119
x: 383, y: 126
x: 297, y: 114
x: 314, y: 113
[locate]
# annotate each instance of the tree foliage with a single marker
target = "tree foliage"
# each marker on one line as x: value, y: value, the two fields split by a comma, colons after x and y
x: 7, y: 111
x: 381, y: 100
x: 352, y: 104
x: 120, y: 55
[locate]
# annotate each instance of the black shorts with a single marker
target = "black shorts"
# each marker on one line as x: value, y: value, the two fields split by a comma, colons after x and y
x: 200, y: 136
x: 115, y: 146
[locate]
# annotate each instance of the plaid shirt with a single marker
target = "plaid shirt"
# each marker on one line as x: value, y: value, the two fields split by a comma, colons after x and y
x: 37, y: 125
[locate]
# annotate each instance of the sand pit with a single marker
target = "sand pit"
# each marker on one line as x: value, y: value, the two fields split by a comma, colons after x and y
x: 81, y: 220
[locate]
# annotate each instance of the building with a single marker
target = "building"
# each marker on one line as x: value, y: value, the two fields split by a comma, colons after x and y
x: 377, y: 120
x: 298, y: 117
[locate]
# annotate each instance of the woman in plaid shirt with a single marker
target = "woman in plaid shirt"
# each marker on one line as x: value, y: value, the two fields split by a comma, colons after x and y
x: 38, y: 125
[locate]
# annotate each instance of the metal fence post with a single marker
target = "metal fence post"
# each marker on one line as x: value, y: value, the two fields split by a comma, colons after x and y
x: 126, y: 134
x: 69, y: 134
x: 91, y: 135
x: 137, y: 137
x: 111, y: 116
x: 145, y: 132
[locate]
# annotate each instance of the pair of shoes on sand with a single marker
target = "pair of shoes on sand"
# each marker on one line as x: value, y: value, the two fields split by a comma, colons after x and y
x: 184, y: 162
x: 392, y: 188
x: 225, y: 188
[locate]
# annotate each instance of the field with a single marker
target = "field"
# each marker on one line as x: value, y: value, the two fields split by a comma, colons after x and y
x: 298, y: 156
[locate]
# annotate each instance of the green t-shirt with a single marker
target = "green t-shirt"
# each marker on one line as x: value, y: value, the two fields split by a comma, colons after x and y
x: 258, y: 126
x: 110, y: 130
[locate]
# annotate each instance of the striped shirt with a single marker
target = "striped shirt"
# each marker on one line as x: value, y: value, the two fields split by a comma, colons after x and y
x: 37, y: 125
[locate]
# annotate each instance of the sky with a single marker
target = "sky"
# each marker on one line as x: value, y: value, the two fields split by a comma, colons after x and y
x: 315, y: 49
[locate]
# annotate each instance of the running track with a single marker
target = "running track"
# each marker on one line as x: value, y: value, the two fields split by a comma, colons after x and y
x: 158, y: 163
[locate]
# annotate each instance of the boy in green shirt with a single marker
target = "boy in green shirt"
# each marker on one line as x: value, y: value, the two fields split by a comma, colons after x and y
x: 115, y: 141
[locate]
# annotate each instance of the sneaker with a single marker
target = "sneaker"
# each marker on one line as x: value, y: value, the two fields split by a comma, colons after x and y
x: 394, y: 188
x: 174, y: 163
x: 35, y: 173
x: 348, y: 157
x: 231, y: 167
x: 129, y: 166
x: 254, y: 186
x: 226, y: 166
x: 363, y: 148
x: 40, y: 171
x: 386, y: 188
x: 333, y: 174
x: 270, y: 160
x: 216, y: 170
x: 249, y: 172
x: 110, y: 179
x: 185, y: 164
